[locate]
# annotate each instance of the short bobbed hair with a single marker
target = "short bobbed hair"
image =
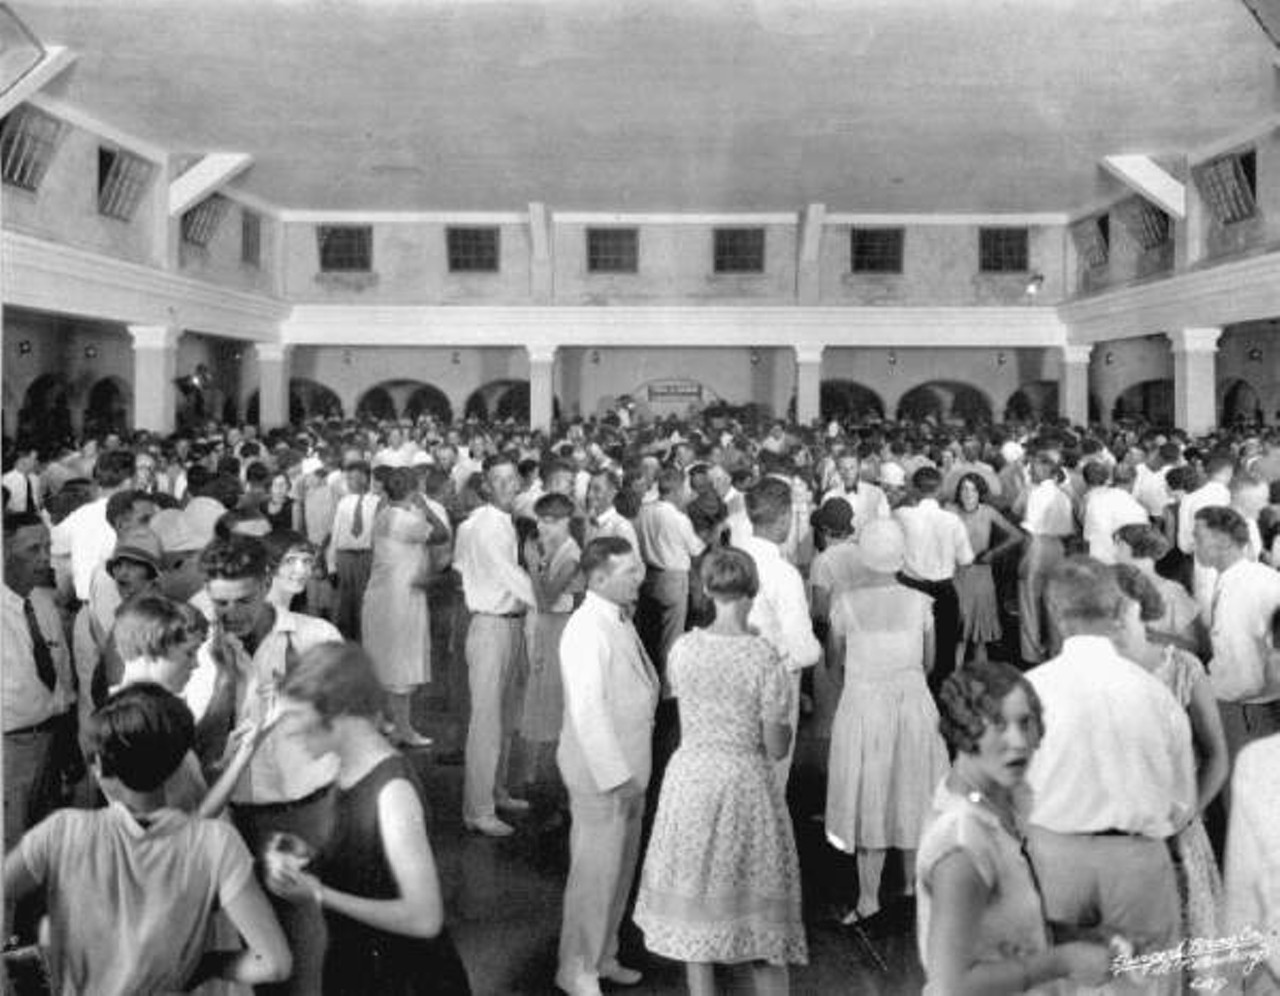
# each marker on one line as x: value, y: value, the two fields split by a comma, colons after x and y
x: 1146, y: 542
x: 979, y: 483
x: 1141, y: 589
x: 140, y: 736
x: 729, y: 573
x: 336, y: 679
x: 971, y: 698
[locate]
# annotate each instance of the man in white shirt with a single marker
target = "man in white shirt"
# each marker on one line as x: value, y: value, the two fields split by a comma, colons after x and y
x: 1244, y: 670
x: 936, y: 545
x: 350, y: 554
x: 668, y: 545
x: 1216, y: 490
x: 1252, y: 866
x: 1114, y: 776
x: 610, y: 693
x: 35, y: 665
x: 250, y: 647
x: 1106, y: 509
x: 84, y: 539
x: 780, y: 612
x: 22, y: 481
x: 603, y: 519
x: 498, y: 594
x: 1048, y: 521
x: 867, y: 500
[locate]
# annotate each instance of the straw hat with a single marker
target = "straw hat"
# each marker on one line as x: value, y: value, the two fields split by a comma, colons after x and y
x: 882, y: 546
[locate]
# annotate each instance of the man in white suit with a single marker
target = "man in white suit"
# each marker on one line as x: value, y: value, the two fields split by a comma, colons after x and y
x: 610, y: 695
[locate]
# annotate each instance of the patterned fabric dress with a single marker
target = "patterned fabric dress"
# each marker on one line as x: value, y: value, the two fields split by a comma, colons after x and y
x: 887, y: 756
x: 1199, y: 881
x: 721, y: 880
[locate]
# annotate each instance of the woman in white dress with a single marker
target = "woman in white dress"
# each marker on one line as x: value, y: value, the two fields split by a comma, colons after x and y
x: 393, y: 617
x: 886, y: 753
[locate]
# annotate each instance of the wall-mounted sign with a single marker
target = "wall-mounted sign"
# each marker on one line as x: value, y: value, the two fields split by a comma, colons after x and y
x: 675, y: 390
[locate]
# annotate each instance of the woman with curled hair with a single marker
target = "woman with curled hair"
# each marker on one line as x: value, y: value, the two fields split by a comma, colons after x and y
x: 980, y: 921
x: 1179, y: 622
x: 291, y: 562
x: 721, y: 879
x: 1199, y: 882
x: 375, y: 879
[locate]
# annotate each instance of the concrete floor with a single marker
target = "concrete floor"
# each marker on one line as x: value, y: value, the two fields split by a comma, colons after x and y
x: 503, y: 897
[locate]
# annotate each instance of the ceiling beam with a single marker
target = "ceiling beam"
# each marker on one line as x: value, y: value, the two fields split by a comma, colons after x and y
x: 206, y: 176
x: 1151, y: 180
x: 56, y: 59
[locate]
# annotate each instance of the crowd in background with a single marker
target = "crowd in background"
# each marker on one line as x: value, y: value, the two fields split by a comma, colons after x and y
x: 1044, y: 658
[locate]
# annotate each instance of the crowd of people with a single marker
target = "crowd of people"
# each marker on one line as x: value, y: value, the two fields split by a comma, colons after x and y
x: 1045, y: 660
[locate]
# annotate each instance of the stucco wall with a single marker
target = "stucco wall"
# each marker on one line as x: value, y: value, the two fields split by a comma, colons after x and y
x: 219, y: 261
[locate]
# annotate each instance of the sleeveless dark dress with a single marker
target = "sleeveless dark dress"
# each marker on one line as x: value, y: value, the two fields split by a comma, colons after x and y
x: 361, y: 959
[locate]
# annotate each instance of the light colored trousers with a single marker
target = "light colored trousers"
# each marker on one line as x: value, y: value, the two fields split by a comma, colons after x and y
x: 1042, y: 555
x: 604, y: 848
x: 782, y: 768
x: 495, y: 657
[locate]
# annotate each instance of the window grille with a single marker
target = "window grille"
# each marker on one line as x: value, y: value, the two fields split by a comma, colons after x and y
x: 739, y: 250
x: 1003, y: 250
x: 251, y: 238
x: 200, y: 223
x: 122, y: 180
x: 613, y: 250
x: 28, y: 140
x: 472, y: 250
x: 1229, y: 185
x: 345, y: 248
x: 1093, y: 239
x: 876, y: 250
x: 1148, y: 225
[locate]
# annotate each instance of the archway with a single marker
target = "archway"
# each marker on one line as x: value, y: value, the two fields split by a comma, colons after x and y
x: 46, y: 413
x: 1032, y: 402
x: 311, y: 399
x: 108, y: 407
x: 848, y: 400
x: 376, y: 404
x: 428, y: 400
x: 1151, y: 400
x: 500, y: 400
x: 945, y: 400
x: 1240, y: 403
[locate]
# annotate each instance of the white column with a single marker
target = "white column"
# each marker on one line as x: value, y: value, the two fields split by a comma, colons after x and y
x: 542, y: 369
x: 809, y: 269
x: 1195, y: 381
x: 273, y: 384
x: 808, y: 383
x: 1073, y: 384
x: 155, y: 365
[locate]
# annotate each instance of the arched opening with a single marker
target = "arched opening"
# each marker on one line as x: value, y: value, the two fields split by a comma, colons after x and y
x: 45, y: 415
x: 311, y: 399
x: 1240, y: 403
x: 500, y: 400
x: 428, y: 400
x: 1032, y: 402
x: 376, y: 404
x: 1151, y: 400
x: 108, y: 407
x: 847, y: 400
x: 943, y: 401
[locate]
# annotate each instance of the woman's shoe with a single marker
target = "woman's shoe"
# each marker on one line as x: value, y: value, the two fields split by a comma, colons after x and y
x: 411, y: 740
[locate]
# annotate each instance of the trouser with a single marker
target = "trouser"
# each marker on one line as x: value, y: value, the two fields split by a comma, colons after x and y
x: 604, y: 847
x: 302, y: 923
x: 663, y: 609
x: 1043, y: 554
x: 353, y: 568
x: 946, y: 625
x: 495, y: 652
x: 32, y: 790
x: 1122, y: 885
x: 782, y: 767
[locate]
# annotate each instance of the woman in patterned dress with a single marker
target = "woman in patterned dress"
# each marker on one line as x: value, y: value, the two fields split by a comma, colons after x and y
x: 721, y: 879
x: 1199, y: 881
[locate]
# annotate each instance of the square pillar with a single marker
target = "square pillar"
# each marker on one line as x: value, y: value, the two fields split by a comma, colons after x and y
x: 1195, y: 379
x: 273, y: 385
x: 155, y: 367
x: 1073, y: 385
x: 542, y: 369
x: 808, y: 383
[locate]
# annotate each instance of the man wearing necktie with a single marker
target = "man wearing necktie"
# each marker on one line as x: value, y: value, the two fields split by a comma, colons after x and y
x: 351, y: 547
x: 37, y: 679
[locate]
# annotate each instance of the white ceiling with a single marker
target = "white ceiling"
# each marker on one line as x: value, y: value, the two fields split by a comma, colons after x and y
x: 668, y: 105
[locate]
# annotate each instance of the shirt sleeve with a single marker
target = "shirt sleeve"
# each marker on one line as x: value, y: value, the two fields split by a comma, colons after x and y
x: 800, y: 648
x: 39, y: 846
x: 958, y: 831
x: 232, y: 865
x: 775, y: 689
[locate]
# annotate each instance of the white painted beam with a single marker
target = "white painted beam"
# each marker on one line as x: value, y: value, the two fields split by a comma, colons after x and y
x: 1152, y: 181
x: 56, y: 59
x: 206, y: 176
x: 811, y: 232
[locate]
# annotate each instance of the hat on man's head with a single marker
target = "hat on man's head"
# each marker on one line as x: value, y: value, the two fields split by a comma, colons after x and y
x: 140, y: 546
x: 892, y: 475
x: 882, y: 545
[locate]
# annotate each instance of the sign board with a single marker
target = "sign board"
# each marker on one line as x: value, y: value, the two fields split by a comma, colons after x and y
x: 675, y: 390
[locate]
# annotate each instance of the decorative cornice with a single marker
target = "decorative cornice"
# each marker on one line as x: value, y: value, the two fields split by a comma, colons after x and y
x: 1195, y: 340
x: 1238, y: 291
x: 673, y: 326
x: 1076, y: 354
x: 54, y: 277
x: 809, y: 353
x: 272, y: 352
